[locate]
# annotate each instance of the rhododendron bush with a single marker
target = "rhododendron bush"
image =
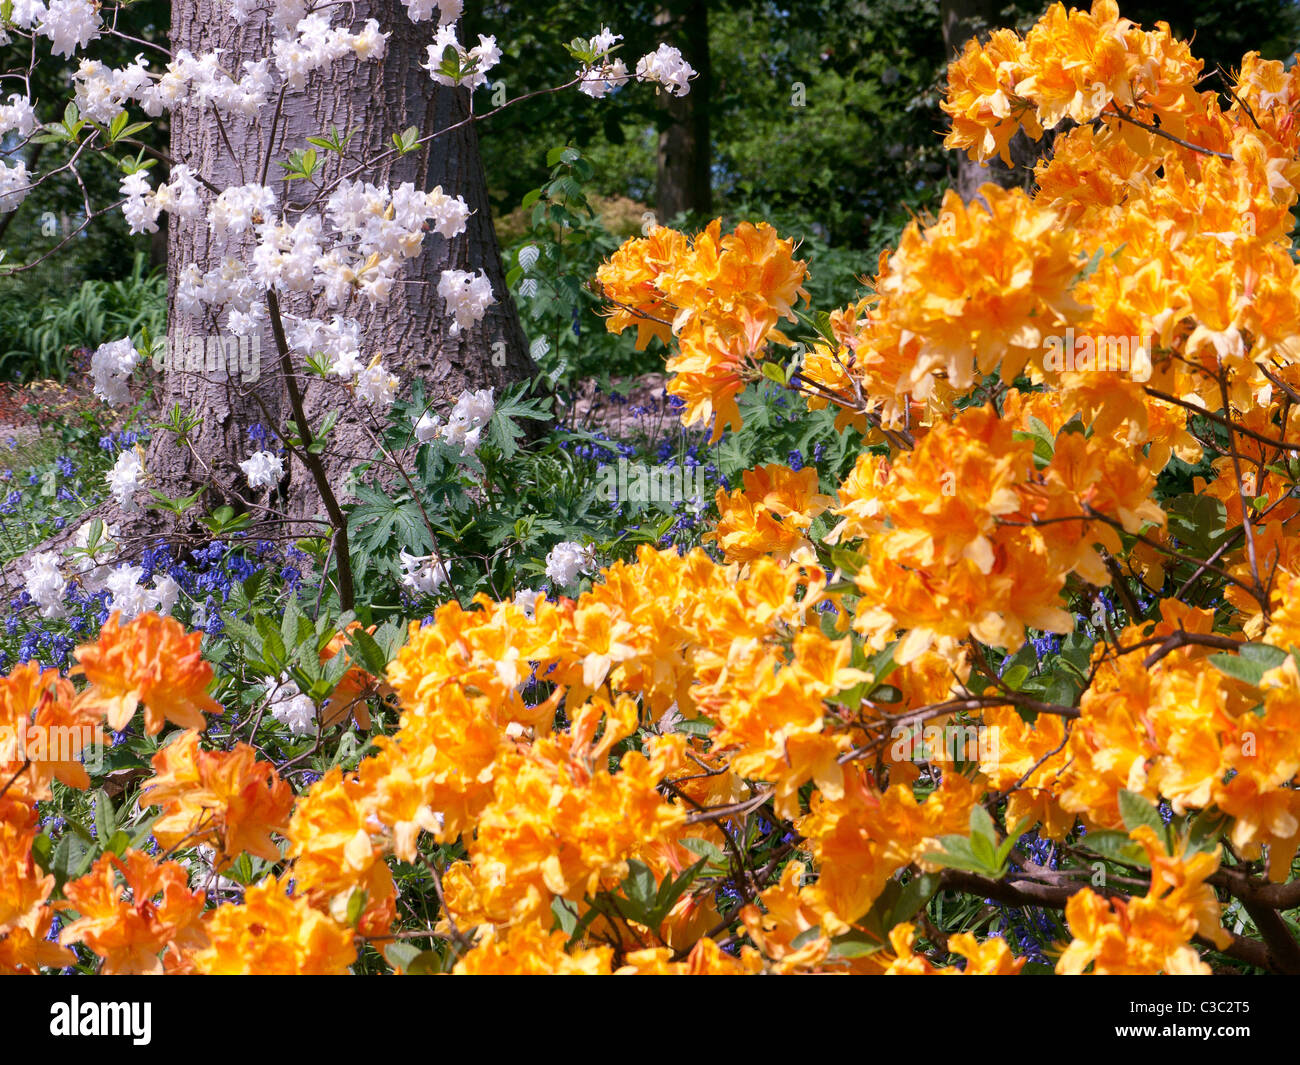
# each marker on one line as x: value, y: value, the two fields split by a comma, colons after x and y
x: 1035, y: 655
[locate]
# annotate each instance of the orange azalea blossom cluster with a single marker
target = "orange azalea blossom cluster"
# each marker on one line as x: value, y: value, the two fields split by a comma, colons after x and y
x: 229, y: 800
x: 1072, y: 65
x: 720, y: 297
x: 965, y: 536
x: 551, y: 766
x: 1148, y: 935
x: 1140, y: 281
x: 1180, y: 731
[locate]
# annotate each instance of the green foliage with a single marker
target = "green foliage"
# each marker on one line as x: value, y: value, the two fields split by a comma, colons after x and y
x: 39, y: 338
x: 549, y: 272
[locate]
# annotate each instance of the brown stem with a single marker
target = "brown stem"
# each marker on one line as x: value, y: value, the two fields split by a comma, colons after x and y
x: 338, y: 522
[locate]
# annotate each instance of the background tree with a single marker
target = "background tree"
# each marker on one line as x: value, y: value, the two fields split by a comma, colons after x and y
x: 411, y: 331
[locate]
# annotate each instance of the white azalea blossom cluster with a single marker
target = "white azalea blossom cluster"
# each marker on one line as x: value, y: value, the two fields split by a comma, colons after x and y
x: 381, y: 228
x: 468, y: 296
x: 45, y: 584
x: 607, y: 73
x: 352, y: 242
x: 15, y: 183
x: 18, y: 116
x: 102, y: 91
x: 285, y: 14
x: 69, y: 24
x: 262, y: 469
x: 289, y: 706
x: 666, y: 67
x: 286, y: 255
x: 375, y: 386
x: 338, y: 341
x: 465, y: 424
x: 139, y: 206
x: 204, y: 82
x: 227, y: 285
x: 111, y: 367
x: 307, y: 44
x: 422, y: 10
x: 474, y: 62
x: 125, y: 479
x: 130, y: 598
x: 424, y: 574
x: 237, y: 209
x: 315, y: 44
x: 180, y: 195
x: 567, y: 561
x: 337, y: 344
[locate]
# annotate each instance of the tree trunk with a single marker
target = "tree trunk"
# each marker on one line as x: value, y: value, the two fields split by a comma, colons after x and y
x: 685, y: 179
x: 409, y: 332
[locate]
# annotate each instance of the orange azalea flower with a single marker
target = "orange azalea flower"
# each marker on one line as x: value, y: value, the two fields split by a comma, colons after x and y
x: 784, y: 917
x: 151, y: 661
x: 991, y: 958
x: 1150, y: 934
x: 228, y: 799
x: 129, y: 925
x: 770, y: 515
x: 705, y: 959
x: 557, y: 826
x: 630, y: 282
x: 863, y: 838
x: 330, y: 840
x: 721, y: 296
x: 43, y: 728
x: 25, y: 909
x: 273, y: 933
x: 980, y: 287
x: 529, y: 950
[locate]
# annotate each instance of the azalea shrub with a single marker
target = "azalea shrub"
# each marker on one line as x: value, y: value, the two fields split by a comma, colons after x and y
x: 999, y: 677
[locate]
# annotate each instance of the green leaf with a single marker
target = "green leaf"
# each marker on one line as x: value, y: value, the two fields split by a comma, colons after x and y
x: 400, y: 954
x: 1250, y: 663
x: 565, y: 919
x: 105, y: 817
x: 1198, y: 521
x: 561, y: 153
x: 639, y: 885
x: 854, y: 944
x: 671, y: 890
x: 805, y: 937
x: 373, y: 658
x: 706, y: 849
x: 43, y: 852
x: 405, y: 141
x: 356, y: 906
x: 1204, y: 831
x: 916, y: 893
x: 1135, y: 810
x: 1015, y: 677
x: 981, y: 824
x: 1116, y: 846
x: 957, y: 853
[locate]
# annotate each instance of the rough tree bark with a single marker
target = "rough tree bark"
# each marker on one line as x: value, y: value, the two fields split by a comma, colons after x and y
x: 410, y: 331
x: 685, y: 179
